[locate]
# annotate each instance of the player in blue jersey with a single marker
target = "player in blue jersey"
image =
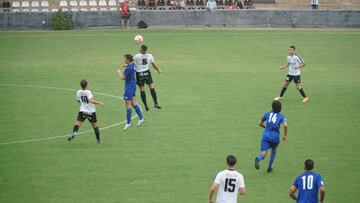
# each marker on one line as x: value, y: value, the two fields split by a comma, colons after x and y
x: 308, y: 185
x: 271, y: 135
x: 129, y: 91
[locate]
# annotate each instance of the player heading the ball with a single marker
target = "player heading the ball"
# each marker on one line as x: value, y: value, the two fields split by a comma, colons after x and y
x: 130, y: 90
x: 143, y: 75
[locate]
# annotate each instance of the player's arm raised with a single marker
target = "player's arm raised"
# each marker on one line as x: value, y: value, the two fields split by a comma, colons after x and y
x: 121, y: 75
x: 212, y: 191
x: 292, y: 192
x: 285, y: 130
x: 156, y: 67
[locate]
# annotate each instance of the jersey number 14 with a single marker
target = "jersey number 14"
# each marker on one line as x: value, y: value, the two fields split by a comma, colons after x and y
x: 272, y: 118
x: 229, y: 185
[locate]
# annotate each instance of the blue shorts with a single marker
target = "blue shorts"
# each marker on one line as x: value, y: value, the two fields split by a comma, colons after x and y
x: 266, y: 145
x: 129, y: 94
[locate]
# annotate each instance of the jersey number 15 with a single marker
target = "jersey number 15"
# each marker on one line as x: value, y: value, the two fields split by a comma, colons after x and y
x: 229, y: 185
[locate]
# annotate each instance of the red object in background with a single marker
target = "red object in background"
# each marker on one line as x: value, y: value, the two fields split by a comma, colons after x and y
x: 124, y: 9
x: 233, y: 7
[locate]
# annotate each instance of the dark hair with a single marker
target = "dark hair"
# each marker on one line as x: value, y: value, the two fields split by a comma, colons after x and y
x: 144, y: 47
x: 276, y: 106
x: 293, y: 47
x: 231, y: 160
x: 84, y: 83
x: 129, y: 57
x: 309, y: 164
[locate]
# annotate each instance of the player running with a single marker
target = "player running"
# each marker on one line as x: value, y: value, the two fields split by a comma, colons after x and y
x: 294, y: 63
x: 271, y: 134
x: 308, y: 184
x: 129, y: 91
x: 143, y: 75
x: 87, y: 110
x: 228, y: 183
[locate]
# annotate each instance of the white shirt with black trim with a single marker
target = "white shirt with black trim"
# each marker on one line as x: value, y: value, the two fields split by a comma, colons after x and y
x: 229, y: 184
x: 142, y: 62
x: 84, y: 96
x: 294, y: 63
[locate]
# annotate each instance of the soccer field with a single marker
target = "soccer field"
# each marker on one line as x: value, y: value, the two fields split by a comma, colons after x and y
x: 215, y: 85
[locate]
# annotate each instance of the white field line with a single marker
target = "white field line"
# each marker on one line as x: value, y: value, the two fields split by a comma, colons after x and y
x: 59, y: 136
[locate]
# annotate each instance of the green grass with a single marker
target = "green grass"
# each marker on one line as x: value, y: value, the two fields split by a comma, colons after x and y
x: 215, y: 86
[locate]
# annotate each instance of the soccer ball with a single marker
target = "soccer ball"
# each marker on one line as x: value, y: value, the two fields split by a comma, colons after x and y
x: 138, y: 39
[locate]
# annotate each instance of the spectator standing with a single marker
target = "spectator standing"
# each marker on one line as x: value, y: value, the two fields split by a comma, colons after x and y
x: 314, y: 4
x: 125, y: 15
x: 211, y: 5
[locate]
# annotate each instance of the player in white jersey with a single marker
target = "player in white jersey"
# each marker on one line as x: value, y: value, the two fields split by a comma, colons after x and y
x: 294, y: 64
x: 87, y: 110
x: 142, y: 61
x: 228, y: 183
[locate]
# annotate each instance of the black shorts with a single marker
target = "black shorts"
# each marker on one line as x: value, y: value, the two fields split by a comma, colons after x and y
x: 82, y: 116
x: 125, y: 17
x: 296, y: 78
x: 143, y: 77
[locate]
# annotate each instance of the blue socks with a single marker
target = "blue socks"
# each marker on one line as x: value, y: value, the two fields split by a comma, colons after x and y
x: 128, y: 115
x: 272, y: 158
x: 138, y: 111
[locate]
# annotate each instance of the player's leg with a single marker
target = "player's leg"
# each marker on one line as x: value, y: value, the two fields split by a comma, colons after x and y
x: 272, y: 158
x: 286, y: 85
x: 122, y: 23
x: 154, y: 95
x: 138, y: 112
x: 140, y: 82
x: 143, y: 97
x: 150, y: 83
x: 264, y: 146
x: 301, y: 90
x: 128, y: 107
x: 80, y: 119
x: 93, y: 121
